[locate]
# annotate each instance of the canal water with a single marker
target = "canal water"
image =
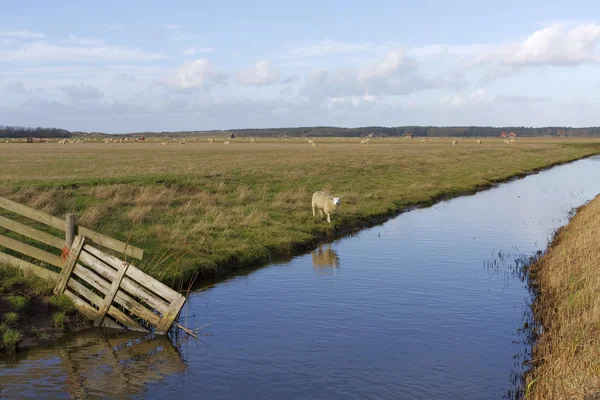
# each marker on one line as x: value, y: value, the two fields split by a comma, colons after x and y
x: 425, y: 306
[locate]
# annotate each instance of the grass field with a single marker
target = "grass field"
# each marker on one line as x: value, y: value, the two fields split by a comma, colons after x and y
x: 211, y: 208
x: 567, y: 354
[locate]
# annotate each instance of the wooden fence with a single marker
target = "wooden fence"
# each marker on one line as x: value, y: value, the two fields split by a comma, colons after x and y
x: 108, y: 290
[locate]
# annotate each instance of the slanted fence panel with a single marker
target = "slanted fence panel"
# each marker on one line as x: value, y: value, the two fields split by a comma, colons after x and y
x: 115, y: 292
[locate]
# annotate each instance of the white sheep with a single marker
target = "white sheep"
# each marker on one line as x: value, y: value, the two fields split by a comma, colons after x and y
x: 506, y: 142
x: 211, y: 140
x: 364, y: 141
x: 423, y: 141
x: 313, y: 144
x: 324, y: 202
x: 310, y: 141
x: 227, y: 142
x: 252, y: 140
x: 478, y: 141
x: 512, y: 141
x: 454, y: 142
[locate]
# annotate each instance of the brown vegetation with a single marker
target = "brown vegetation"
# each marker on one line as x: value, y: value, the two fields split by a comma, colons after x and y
x: 567, y: 278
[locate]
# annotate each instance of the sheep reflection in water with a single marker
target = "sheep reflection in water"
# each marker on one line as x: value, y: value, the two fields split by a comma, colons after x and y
x: 325, y: 260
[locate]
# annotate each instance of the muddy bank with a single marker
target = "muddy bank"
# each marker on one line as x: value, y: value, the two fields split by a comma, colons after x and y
x: 566, y: 282
x: 30, y: 315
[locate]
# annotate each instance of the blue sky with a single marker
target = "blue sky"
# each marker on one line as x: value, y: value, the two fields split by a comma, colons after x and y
x: 123, y: 66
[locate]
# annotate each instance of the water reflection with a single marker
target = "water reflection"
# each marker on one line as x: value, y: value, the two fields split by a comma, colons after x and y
x: 94, y: 364
x: 325, y: 260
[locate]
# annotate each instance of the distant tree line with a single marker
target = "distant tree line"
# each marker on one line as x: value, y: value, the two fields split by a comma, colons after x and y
x: 23, y: 132
x: 416, y: 131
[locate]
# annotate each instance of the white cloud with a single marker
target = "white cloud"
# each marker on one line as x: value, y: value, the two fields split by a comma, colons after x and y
x: 554, y: 45
x: 17, y: 87
x: 82, y: 92
x: 262, y: 73
x: 192, y: 50
x: 83, y: 41
x: 22, y: 34
x: 195, y: 74
x: 45, y: 52
x: 173, y: 26
x: 395, y: 74
x: 328, y: 46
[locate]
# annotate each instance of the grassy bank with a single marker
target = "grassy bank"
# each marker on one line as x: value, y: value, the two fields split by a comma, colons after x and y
x: 29, y: 314
x: 211, y: 208
x: 567, y: 281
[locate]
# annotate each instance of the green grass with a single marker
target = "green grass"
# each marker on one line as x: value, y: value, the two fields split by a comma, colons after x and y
x: 59, y: 320
x: 62, y: 303
x: 10, y: 338
x: 210, y: 208
x: 10, y: 318
x: 17, y: 302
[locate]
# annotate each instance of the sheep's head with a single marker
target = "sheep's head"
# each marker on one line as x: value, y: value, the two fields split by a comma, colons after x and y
x: 336, y: 200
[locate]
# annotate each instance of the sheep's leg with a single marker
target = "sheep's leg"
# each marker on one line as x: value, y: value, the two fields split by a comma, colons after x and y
x: 313, y: 211
x: 328, y: 219
x: 321, y: 213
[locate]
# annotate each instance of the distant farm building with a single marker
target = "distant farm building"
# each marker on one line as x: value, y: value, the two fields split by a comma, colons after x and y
x: 512, y: 135
x: 503, y: 135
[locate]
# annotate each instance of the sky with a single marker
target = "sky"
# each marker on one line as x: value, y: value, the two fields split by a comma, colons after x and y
x: 133, y: 66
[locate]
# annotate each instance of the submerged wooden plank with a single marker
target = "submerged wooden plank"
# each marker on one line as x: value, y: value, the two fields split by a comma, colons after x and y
x: 127, y: 284
x: 110, y: 295
x: 31, y: 251
x: 134, y: 273
x: 69, y: 264
x: 32, y: 233
x: 28, y: 267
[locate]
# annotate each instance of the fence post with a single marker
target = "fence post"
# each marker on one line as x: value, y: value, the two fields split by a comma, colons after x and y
x: 70, y: 230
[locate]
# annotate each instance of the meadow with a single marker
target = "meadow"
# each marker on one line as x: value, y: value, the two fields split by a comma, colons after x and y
x: 210, y: 208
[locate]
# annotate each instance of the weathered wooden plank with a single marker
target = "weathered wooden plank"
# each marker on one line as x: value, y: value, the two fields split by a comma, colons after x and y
x: 30, y: 251
x: 32, y: 213
x: 167, y: 319
x: 58, y: 223
x: 28, y: 267
x: 134, y: 273
x: 83, y: 291
x: 109, y: 323
x: 33, y: 233
x: 65, y: 274
x: 70, y: 229
x: 121, y: 298
x: 83, y: 307
x: 111, y: 243
x: 125, y: 320
x: 127, y: 284
x: 110, y: 295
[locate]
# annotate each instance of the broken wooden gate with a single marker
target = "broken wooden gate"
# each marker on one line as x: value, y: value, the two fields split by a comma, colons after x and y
x: 110, y: 291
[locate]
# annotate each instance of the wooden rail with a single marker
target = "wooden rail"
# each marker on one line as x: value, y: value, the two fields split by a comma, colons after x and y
x: 116, y: 294
x: 106, y: 289
x: 60, y: 224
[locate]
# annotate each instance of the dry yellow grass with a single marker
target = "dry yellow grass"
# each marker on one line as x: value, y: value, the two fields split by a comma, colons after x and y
x: 568, y: 306
x: 223, y: 207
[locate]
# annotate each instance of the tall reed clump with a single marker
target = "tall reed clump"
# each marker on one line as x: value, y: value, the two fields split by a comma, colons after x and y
x: 566, y: 357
